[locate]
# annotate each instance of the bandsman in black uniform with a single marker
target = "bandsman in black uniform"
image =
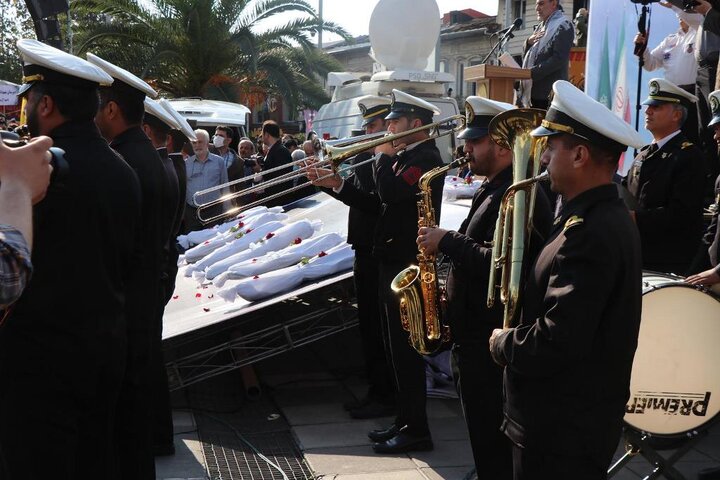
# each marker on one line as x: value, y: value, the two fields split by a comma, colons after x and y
x: 707, y: 269
x: 666, y: 181
x: 380, y: 398
x: 477, y: 377
x: 397, y: 168
x: 62, y: 344
x: 568, y: 362
x: 119, y: 120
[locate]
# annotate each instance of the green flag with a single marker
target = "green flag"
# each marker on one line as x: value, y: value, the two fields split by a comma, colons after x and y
x: 604, y: 92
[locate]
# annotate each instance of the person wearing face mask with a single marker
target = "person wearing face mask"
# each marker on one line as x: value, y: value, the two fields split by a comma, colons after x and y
x: 204, y: 170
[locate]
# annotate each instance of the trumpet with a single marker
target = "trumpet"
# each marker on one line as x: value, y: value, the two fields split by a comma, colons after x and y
x: 333, y: 155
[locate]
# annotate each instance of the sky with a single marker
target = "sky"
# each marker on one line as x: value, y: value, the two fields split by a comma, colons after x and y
x: 354, y: 15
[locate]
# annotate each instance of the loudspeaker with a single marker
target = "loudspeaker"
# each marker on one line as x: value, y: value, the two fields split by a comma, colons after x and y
x: 40, y: 9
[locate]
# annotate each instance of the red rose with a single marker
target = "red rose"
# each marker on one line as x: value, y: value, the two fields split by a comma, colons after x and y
x: 297, y: 241
x: 269, y: 236
x: 240, y: 225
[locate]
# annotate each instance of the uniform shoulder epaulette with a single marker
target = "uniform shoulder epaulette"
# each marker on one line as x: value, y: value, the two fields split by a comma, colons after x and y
x: 573, y: 221
x: 686, y: 145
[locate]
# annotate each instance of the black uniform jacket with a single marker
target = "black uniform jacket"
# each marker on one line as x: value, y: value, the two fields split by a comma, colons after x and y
x: 470, y: 252
x: 568, y: 362
x: 667, y: 185
x: 711, y: 239
x: 361, y: 224
x: 84, y: 237
x: 173, y: 204
x: 277, y: 155
x: 395, y: 200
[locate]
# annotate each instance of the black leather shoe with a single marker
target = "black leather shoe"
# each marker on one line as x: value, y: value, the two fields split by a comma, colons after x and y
x: 709, y: 474
x: 355, y: 404
x: 403, y: 443
x: 383, y: 434
x: 164, y: 450
x: 373, y: 410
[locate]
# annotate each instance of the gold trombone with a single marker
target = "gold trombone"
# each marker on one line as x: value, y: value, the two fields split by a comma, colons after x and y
x: 332, y: 155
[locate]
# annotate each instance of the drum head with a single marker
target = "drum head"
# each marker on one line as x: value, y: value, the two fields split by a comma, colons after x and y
x: 675, y: 385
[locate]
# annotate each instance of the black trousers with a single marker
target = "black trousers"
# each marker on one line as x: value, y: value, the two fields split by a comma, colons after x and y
x: 704, y: 85
x: 529, y: 464
x: 57, y: 400
x: 479, y: 382
x: 408, y: 365
x: 377, y: 366
x: 161, y: 411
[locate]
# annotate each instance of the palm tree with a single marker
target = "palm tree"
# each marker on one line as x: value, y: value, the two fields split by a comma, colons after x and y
x: 211, y: 48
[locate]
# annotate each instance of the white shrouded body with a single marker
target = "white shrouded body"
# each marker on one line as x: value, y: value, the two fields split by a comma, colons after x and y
x: 403, y: 33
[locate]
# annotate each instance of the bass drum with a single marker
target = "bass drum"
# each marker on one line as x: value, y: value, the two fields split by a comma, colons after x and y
x: 675, y: 384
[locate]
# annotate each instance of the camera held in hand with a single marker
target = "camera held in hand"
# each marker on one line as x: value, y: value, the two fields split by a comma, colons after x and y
x: 688, y: 5
x: 57, y: 155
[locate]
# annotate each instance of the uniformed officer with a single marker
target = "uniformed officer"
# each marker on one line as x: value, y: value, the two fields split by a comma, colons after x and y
x: 477, y: 377
x: 398, y: 167
x: 666, y: 180
x: 119, y: 120
x: 62, y: 344
x: 380, y: 398
x: 568, y: 362
x: 706, y: 268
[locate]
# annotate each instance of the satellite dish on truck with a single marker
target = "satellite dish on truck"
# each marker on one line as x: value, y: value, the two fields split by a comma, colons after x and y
x: 404, y: 42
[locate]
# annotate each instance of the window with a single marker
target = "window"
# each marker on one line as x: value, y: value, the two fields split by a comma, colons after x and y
x: 443, y: 67
x: 460, y: 91
x: 518, y: 10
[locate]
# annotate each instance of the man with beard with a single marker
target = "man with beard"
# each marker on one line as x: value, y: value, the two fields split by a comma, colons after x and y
x: 568, y: 361
x: 477, y: 377
x: 119, y: 120
x: 62, y: 345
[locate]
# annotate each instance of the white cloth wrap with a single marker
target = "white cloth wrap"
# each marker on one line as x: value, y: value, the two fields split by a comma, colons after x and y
x: 280, y: 259
x: 281, y: 238
x: 337, y: 259
x: 456, y: 190
x: 199, y: 236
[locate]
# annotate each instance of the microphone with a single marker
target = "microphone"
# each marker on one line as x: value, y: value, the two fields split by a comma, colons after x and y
x: 515, y: 25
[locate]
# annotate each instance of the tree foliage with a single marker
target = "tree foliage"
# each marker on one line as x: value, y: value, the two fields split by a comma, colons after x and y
x: 211, y: 48
x: 15, y: 23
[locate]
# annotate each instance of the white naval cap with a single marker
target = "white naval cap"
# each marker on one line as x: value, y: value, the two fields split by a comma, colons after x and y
x: 156, y: 110
x: 123, y: 76
x: 663, y: 91
x: 182, y: 123
x: 44, y: 63
x: 404, y: 104
x: 478, y: 113
x: 575, y: 113
x: 373, y: 107
x: 714, y: 100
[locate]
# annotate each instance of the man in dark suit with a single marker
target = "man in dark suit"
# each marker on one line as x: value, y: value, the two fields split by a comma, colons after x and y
x: 62, y: 345
x: 277, y: 155
x: 568, y: 362
x: 397, y: 172
x: 666, y: 180
x: 119, y: 120
x: 477, y: 377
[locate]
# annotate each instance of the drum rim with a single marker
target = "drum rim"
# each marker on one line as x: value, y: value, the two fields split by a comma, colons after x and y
x: 674, y: 280
x: 702, y: 427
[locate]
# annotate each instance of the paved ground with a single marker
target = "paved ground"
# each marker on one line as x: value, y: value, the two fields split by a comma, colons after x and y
x: 310, y: 385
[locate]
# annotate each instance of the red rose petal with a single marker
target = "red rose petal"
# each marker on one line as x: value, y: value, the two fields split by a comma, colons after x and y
x: 211, y: 295
x: 241, y: 224
x: 206, y: 242
x: 254, y: 260
x: 175, y: 297
x: 269, y: 236
x: 248, y: 230
x: 205, y: 309
x: 297, y: 241
x: 198, y: 295
x: 322, y: 254
x: 256, y: 277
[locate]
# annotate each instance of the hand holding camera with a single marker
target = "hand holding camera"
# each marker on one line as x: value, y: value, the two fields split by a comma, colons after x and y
x: 27, y: 168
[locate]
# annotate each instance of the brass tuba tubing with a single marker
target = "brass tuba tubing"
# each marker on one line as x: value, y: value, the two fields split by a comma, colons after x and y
x: 333, y: 155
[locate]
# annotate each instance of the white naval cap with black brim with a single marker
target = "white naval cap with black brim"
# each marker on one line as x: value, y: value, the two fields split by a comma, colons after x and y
x: 714, y: 100
x: 662, y: 91
x: 43, y: 63
x: 478, y: 113
x: 156, y: 110
x: 404, y: 104
x: 124, y: 80
x: 373, y: 107
x: 574, y: 113
x: 183, y: 124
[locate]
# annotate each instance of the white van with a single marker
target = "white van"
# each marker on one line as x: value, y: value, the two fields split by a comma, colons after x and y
x: 338, y: 118
x: 209, y: 114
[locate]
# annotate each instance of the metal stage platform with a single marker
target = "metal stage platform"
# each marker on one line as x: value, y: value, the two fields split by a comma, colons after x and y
x: 204, y: 336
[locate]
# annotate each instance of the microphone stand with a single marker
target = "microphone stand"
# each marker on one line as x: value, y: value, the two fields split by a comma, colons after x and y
x: 643, y: 28
x: 500, y: 44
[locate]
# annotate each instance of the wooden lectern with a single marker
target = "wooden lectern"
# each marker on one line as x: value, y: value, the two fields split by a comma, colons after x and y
x: 495, y: 82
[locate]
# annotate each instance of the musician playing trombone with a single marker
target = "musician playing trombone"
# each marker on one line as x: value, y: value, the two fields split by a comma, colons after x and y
x: 477, y: 377
x: 568, y: 361
x: 397, y: 168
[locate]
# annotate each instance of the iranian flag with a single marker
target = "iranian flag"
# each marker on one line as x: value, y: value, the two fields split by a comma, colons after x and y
x: 621, y: 97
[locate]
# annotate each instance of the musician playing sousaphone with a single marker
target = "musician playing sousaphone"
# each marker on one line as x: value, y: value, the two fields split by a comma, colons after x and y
x: 398, y: 167
x: 477, y: 377
x: 568, y: 362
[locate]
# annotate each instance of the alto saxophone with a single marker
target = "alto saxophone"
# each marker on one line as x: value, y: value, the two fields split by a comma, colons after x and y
x: 417, y: 286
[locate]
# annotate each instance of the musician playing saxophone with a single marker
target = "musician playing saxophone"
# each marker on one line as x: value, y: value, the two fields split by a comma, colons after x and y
x: 477, y: 377
x: 397, y: 169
